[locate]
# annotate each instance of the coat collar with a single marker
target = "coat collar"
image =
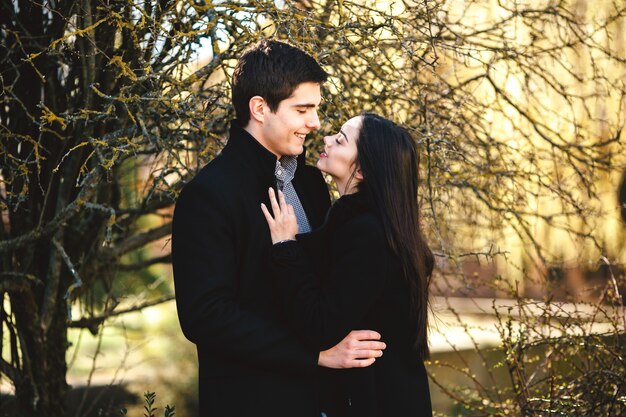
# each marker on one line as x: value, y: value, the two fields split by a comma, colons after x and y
x: 257, y: 158
x: 344, y: 209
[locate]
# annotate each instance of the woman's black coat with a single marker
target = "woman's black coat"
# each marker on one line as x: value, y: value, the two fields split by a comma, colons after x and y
x: 344, y: 276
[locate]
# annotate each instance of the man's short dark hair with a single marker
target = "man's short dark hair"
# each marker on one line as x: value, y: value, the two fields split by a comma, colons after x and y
x: 273, y: 70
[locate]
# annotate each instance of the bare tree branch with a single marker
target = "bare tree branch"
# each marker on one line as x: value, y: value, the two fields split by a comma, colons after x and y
x: 93, y: 323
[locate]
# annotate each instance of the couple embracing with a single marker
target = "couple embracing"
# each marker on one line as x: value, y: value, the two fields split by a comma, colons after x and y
x: 297, y: 308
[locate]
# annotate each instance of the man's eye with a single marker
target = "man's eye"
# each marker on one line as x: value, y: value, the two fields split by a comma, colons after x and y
x: 301, y: 111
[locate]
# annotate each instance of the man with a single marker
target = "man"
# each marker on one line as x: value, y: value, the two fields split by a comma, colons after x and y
x: 250, y: 364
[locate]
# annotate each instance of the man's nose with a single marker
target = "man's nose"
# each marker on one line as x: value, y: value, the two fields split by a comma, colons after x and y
x: 314, y: 122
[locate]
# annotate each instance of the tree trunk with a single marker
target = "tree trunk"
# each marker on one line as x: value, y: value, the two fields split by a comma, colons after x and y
x: 43, y: 390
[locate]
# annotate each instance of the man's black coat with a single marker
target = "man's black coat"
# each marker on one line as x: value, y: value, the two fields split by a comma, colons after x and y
x: 250, y: 364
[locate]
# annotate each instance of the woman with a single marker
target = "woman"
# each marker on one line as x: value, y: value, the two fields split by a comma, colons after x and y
x: 367, y: 267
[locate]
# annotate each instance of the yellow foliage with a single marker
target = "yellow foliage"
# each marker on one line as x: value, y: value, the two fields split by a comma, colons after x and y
x: 49, y: 117
x: 125, y: 70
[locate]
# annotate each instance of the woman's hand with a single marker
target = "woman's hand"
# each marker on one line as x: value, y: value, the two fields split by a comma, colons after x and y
x: 358, y: 349
x: 284, y: 226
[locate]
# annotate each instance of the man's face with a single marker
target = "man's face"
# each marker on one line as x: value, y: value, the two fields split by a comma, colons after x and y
x: 284, y: 131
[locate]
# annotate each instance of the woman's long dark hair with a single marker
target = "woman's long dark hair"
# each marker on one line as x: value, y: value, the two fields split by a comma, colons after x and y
x: 389, y: 162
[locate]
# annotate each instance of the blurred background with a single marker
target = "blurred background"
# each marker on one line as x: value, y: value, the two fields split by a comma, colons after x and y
x: 109, y: 107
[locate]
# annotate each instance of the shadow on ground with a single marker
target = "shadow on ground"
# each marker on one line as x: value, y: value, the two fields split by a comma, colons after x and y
x: 94, y: 401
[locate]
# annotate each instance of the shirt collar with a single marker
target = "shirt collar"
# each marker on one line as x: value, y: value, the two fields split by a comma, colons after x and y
x: 286, y: 168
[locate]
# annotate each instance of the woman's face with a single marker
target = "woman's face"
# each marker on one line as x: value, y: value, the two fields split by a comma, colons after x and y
x: 340, y: 152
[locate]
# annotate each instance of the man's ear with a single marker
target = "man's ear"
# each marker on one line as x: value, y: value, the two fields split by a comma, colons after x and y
x: 257, y: 108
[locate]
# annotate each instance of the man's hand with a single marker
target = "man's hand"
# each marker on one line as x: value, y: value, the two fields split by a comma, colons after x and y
x: 358, y: 349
